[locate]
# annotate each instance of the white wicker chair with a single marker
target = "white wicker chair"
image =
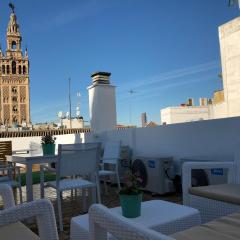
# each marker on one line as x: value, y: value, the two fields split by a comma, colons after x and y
x: 8, y: 178
x: 11, y: 228
x: 210, y: 209
x: 102, y: 222
x: 111, y: 157
x: 74, y: 160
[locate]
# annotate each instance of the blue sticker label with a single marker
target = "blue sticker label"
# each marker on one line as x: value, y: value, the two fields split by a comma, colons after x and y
x: 217, y: 171
x: 151, y: 164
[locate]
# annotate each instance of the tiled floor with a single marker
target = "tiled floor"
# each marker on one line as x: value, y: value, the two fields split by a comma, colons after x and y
x: 72, y: 206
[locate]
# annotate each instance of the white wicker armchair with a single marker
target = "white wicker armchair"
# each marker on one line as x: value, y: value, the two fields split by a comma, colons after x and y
x: 11, y: 228
x: 103, y: 222
x: 209, y: 208
x: 6, y: 177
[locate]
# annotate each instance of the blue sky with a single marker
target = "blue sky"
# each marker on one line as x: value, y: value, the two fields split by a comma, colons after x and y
x: 166, y: 51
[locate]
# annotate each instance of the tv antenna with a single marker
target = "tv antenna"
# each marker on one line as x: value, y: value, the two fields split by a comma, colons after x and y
x: 70, y: 103
x: 61, y: 115
x: 131, y: 92
x: 78, y: 104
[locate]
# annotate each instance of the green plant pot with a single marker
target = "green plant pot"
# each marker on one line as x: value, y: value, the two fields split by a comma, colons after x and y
x: 48, y: 149
x: 131, y: 205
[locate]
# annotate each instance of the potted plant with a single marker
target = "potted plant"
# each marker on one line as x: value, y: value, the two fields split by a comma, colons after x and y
x: 131, y: 195
x: 48, y: 144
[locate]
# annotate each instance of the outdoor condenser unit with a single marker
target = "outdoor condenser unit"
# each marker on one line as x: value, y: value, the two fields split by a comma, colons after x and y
x: 154, y: 173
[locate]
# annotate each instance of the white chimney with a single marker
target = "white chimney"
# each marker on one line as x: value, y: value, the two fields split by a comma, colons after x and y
x: 102, y: 102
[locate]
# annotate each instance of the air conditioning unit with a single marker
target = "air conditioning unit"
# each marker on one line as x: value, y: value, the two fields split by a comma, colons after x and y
x: 154, y: 173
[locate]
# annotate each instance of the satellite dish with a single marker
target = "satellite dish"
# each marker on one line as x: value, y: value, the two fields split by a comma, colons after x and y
x: 60, y: 114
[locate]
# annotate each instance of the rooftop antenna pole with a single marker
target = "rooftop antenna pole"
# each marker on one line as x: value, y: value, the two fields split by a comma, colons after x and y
x: 70, y: 104
x: 131, y: 91
x: 78, y: 104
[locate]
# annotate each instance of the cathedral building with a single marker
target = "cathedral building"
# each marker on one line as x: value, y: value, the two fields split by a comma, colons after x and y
x: 14, y: 78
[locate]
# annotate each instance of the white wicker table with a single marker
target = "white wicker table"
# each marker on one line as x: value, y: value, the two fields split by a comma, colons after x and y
x: 161, y: 216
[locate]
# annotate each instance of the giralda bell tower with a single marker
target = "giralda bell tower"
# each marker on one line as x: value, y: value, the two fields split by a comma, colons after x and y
x: 14, y: 78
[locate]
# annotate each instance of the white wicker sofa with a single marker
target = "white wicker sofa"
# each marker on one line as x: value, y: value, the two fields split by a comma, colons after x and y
x: 104, y: 222
x: 212, y: 201
x: 10, y: 226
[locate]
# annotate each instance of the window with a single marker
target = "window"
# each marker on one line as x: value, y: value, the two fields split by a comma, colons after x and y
x: 24, y: 70
x: 14, y: 45
x: 8, y: 69
x: 19, y: 69
x: 14, y: 120
x: 14, y: 89
x: 14, y: 99
x: 13, y: 67
x: 3, y: 69
x: 14, y: 109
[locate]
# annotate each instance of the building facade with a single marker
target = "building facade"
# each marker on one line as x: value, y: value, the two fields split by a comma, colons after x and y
x: 14, y: 78
x: 181, y: 114
x: 226, y: 102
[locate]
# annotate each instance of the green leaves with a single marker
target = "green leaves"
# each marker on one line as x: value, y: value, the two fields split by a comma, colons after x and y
x: 48, y: 139
x: 132, y: 182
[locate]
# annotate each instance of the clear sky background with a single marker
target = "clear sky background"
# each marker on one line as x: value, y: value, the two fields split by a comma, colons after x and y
x: 165, y: 50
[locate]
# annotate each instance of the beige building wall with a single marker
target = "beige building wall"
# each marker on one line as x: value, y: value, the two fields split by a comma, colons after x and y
x: 229, y: 37
x: 76, y: 123
x: 226, y: 102
x: 218, y: 97
x: 172, y: 115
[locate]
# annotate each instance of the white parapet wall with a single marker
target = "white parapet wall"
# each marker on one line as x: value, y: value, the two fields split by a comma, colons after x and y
x: 217, y: 139
x: 19, y: 143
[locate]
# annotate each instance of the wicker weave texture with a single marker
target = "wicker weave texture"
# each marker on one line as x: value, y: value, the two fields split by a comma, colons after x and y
x: 41, y: 209
x: 102, y: 221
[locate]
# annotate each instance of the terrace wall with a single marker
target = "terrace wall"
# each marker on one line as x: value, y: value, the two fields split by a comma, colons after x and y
x: 216, y: 139
x: 19, y: 143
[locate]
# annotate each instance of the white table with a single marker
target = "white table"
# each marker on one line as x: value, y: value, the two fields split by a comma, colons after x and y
x: 29, y: 159
x: 162, y: 216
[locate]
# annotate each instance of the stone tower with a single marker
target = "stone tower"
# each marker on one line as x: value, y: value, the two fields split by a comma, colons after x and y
x: 14, y: 78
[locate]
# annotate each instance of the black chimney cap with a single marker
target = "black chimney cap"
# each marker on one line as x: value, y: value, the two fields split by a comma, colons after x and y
x: 108, y: 74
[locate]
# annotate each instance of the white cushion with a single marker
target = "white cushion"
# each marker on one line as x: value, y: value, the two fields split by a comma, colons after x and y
x: 17, y: 231
x: 66, y: 184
